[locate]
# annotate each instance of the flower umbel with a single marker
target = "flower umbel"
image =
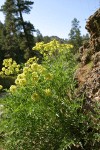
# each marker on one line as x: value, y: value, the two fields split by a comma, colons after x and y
x: 13, y: 88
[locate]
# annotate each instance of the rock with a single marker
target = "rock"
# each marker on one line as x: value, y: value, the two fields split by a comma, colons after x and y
x: 88, y: 75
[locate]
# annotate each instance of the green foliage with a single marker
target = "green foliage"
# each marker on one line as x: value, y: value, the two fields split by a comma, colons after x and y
x: 39, y: 37
x: 42, y: 112
x: 16, y: 30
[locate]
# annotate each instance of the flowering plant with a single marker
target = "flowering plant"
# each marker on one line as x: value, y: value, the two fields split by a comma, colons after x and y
x: 10, y: 67
x: 42, y: 110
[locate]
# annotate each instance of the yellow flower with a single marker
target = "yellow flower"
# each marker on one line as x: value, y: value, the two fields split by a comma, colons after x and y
x: 6, y: 64
x: 35, y: 76
x: 14, y: 64
x: 7, y: 72
x: 34, y: 66
x: 47, y: 92
x: 49, y: 76
x: 1, y: 73
x: 1, y: 87
x: 13, y: 88
x: 34, y: 58
x: 22, y: 82
x: 29, y: 70
x: 17, y: 81
x: 41, y: 69
x: 25, y: 69
x: 35, y: 96
x: 17, y: 70
x: 21, y: 76
x: 18, y: 66
x: 10, y: 59
x: 3, y: 69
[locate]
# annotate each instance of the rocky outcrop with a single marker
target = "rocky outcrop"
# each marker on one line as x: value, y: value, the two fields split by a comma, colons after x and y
x: 88, y: 74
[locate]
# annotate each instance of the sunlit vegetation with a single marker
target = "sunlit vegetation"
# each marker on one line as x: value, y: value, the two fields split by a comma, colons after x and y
x: 10, y: 67
x: 41, y: 110
x: 39, y: 106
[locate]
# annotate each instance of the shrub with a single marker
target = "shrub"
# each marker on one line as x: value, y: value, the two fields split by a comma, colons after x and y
x: 42, y: 111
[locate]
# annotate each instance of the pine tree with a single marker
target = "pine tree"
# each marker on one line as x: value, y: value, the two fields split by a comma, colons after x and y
x: 9, y: 39
x: 1, y: 45
x: 75, y: 35
x: 39, y: 37
x: 19, y: 33
x: 24, y: 6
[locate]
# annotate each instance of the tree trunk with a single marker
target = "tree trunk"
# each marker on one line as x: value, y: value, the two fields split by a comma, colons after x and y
x: 24, y: 29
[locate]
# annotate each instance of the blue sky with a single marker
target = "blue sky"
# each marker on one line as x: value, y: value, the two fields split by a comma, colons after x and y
x: 53, y: 17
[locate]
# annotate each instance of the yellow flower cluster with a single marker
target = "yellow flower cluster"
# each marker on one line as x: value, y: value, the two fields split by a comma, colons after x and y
x: 47, y: 92
x: 31, y: 60
x: 36, y: 96
x: 52, y: 48
x: 12, y: 88
x: 21, y: 80
x: 10, y: 67
x: 32, y: 74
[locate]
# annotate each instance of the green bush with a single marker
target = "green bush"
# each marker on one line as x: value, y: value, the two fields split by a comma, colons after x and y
x: 42, y: 111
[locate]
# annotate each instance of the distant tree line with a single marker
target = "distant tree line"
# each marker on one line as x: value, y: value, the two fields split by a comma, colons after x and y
x: 17, y: 35
x: 75, y: 37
